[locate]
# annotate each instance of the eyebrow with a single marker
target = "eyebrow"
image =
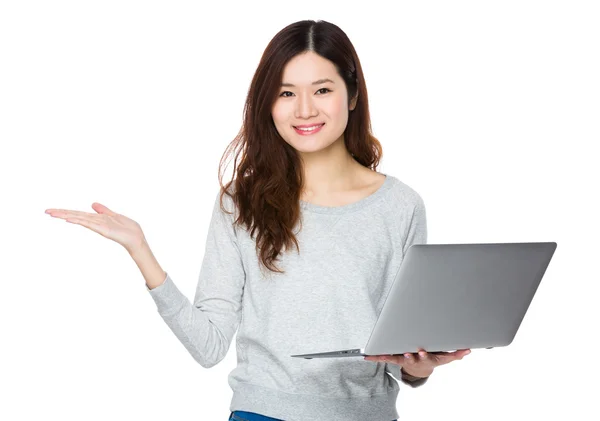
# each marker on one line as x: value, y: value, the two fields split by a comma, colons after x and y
x: 316, y: 82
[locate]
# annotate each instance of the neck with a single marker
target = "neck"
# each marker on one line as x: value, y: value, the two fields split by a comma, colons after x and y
x: 331, y: 170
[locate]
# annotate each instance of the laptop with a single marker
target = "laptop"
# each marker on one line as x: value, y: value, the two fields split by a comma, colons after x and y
x: 447, y: 297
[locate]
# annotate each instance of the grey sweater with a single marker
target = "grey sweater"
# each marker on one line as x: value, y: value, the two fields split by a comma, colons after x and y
x: 328, y: 299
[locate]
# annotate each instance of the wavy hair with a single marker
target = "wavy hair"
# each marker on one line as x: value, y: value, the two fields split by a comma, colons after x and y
x: 269, y: 177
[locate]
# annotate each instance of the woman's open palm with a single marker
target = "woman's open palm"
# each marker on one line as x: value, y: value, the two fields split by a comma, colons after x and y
x: 105, y: 222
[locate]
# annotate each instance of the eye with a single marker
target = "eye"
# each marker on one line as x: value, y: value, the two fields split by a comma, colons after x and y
x: 288, y: 92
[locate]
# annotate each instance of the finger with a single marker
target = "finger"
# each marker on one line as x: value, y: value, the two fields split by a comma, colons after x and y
x: 458, y: 353
x: 78, y: 220
x: 434, y: 358
x: 86, y: 223
x: 87, y: 218
x: 410, y: 358
x: 65, y: 213
x: 420, y: 356
x: 447, y: 357
x: 463, y: 352
x: 100, y: 208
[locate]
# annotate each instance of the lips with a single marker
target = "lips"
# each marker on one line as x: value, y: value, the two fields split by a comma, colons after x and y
x: 317, y: 129
x: 305, y: 126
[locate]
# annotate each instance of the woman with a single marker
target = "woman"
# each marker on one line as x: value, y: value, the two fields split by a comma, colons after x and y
x: 307, y: 178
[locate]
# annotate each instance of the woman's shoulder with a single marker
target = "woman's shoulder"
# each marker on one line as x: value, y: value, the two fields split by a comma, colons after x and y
x: 403, y: 192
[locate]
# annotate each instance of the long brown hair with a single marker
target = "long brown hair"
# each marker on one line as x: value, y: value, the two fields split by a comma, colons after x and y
x: 270, y: 176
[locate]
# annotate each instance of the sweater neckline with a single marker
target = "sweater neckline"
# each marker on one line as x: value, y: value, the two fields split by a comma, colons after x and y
x: 350, y: 207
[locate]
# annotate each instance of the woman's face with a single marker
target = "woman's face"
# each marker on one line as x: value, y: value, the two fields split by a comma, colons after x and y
x: 303, y: 102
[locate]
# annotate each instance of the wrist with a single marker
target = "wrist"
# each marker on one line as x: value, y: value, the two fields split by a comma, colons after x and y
x: 141, y: 247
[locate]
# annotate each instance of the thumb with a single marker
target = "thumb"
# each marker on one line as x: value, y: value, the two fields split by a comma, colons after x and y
x: 102, y: 209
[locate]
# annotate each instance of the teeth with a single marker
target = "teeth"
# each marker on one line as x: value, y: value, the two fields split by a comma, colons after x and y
x: 308, y: 129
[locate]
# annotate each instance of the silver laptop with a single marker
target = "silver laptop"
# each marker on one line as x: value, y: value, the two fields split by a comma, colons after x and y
x: 447, y: 297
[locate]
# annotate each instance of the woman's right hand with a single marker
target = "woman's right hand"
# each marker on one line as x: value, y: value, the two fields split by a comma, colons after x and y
x: 107, y: 223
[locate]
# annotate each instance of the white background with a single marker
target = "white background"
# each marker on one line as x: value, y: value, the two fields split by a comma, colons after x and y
x: 490, y: 110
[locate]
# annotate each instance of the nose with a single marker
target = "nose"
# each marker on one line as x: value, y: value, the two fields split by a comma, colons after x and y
x: 305, y: 107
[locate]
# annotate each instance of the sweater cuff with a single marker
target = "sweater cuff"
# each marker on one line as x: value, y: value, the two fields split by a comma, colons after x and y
x: 166, y: 276
x: 168, y: 298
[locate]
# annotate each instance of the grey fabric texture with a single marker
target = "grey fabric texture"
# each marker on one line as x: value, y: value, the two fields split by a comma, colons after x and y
x: 328, y: 299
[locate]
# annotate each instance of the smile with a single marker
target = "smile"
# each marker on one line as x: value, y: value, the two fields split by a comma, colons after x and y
x: 308, y: 130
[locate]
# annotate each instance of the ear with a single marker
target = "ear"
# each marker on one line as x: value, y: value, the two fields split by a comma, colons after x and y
x: 353, y: 102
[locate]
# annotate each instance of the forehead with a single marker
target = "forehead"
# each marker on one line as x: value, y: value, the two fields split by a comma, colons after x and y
x: 308, y: 67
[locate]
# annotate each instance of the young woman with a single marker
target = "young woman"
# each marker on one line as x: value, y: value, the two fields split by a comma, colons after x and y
x: 307, y: 181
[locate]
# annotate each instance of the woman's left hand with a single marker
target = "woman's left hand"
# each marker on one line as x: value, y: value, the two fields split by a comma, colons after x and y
x: 422, y: 363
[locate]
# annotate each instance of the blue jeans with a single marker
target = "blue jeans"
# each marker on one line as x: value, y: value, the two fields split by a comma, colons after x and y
x: 251, y: 416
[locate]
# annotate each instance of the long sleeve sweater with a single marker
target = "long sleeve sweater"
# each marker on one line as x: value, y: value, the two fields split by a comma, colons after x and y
x: 328, y: 299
